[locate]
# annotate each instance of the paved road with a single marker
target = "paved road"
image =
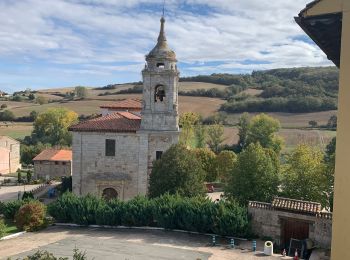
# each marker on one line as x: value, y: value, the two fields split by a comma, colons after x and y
x: 9, y: 193
x: 122, y: 244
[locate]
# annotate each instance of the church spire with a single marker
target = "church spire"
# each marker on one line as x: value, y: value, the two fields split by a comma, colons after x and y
x: 161, y: 38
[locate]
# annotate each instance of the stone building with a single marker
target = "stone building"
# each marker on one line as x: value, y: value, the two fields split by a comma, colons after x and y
x: 9, y: 155
x: 284, y: 219
x: 113, y: 154
x: 53, y: 164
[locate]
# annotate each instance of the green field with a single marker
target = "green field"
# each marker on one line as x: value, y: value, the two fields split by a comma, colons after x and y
x: 15, y: 130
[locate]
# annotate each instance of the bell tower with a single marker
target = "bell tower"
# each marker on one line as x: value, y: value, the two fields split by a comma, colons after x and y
x: 160, y: 87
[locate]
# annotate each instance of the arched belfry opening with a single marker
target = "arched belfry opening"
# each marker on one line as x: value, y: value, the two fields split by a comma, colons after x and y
x: 109, y: 194
x: 159, y: 93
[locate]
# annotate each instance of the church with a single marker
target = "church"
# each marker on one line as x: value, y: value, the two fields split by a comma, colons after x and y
x: 113, y: 154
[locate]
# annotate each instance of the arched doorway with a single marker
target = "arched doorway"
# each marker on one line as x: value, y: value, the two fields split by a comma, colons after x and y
x: 109, y: 193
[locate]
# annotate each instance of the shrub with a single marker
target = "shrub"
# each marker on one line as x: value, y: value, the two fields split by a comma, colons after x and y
x: 137, y: 212
x: 27, y: 195
x: 10, y: 208
x: 110, y: 213
x: 31, y: 216
x: 2, y: 228
x: 167, y: 211
x: 61, y: 209
x: 3, y: 106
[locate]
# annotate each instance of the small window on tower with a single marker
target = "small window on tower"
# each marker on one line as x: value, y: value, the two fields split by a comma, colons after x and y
x: 159, y: 93
x: 161, y: 65
x: 159, y: 155
x: 110, y: 147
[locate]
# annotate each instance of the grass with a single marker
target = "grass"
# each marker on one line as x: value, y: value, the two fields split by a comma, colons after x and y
x: 10, y: 228
x: 15, y: 130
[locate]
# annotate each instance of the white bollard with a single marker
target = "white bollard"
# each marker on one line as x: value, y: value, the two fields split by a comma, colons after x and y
x: 268, y: 248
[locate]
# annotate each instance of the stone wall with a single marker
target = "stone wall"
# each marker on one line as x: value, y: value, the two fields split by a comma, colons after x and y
x: 51, y: 170
x: 266, y: 222
x: 93, y: 171
x: 9, y: 155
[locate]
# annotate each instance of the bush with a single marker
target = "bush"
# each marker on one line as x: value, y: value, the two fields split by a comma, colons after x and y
x: 10, y: 209
x: 31, y: 216
x: 2, y: 228
x: 167, y: 211
x: 61, y: 209
x: 3, y: 106
x: 137, y: 212
x: 27, y: 195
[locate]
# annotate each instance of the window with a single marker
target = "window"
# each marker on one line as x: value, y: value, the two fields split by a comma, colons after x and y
x: 159, y: 93
x: 56, y: 163
x: 160, y: 65
x: 63, y: 163
x: 110, y: 147
x: 159, y: 155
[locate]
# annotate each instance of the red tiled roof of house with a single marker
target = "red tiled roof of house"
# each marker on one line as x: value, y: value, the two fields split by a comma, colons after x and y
x: 296, y: 205
x: 127, y: 104
x: 54, y: 155
x: 118, y: 122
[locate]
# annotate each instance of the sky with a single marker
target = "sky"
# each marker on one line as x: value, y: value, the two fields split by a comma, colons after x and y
x: 63, y: 43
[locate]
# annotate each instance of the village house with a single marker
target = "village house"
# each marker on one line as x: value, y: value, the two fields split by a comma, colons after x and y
x: 285, y: 219
x: 113, y: 154
x: 9, y: 155
x: 52, y: 164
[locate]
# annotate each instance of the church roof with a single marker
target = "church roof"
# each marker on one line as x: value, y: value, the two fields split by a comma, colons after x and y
x: 162, y: 50
x: 118, y: 122
x: 54, y: 155
x: 126, y: 104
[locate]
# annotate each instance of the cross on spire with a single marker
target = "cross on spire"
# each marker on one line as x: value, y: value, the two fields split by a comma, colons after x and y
x: 163, y: 8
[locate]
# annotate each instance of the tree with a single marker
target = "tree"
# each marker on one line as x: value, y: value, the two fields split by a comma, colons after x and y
x: 81, y: 92
x: 28, y: 152
x: 303, y: 175
x: 313, y: 123
x: 178, y: 171
x: 262, y: 129
x: 31, y: 96
x: 41, y: 100
x: 33, y: 115
x: 52, y: 126
x: 225, y: 161
x: 255, y: 175
x: 329, y: 160
x: 207, y: 158
x: 19, y: 176
x: 7, y: 115
x: 200, y: 136
x: 332, y: 122
x: 243, y: 127
x: 187, y: 122
x: 215, y: 137
x: 29, y: 176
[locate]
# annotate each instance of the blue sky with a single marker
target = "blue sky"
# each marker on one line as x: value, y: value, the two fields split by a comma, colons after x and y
x: 61, y: 43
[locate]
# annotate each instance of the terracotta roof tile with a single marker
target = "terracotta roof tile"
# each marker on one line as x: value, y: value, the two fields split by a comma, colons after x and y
x: 296, y: 205
x: 54, y: 155
x: 118, y: 122
x: 127, y: 104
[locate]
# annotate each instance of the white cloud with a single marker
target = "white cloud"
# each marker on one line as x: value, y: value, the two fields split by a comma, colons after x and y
x: 97, y: 33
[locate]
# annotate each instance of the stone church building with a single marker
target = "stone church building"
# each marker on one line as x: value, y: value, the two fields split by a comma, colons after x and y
x: 113, y: 154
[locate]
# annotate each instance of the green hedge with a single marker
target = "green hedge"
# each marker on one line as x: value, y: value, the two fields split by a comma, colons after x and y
x: 167, y: 211
x: 10, y: 209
